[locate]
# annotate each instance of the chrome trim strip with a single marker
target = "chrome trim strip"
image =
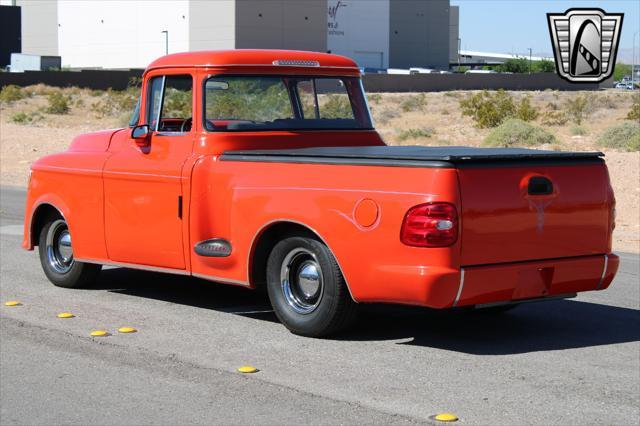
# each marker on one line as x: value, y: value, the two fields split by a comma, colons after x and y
x: 136, y: 266
x: 460, y: 287
x: 604, y: 271
x: 222, y: 280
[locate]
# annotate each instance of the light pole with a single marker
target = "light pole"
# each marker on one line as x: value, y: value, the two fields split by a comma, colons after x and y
x: 166, y: 41
x: 459, y: 44
x: 529, y: 60
x: 633, y: 61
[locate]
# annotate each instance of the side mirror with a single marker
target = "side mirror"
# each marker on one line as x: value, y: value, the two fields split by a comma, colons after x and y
x: 142, y: 135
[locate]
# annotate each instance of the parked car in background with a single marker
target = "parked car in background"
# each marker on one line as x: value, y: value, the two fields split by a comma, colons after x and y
x: 262, y: 169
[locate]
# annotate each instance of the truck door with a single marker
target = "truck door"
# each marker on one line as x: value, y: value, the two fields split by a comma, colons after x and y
x: 142, y: 180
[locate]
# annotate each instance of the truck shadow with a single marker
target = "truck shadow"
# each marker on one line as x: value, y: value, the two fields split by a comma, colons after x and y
x: 553, y: 325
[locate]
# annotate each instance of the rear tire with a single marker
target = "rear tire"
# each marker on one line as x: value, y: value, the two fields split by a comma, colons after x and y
x: 56, y: 257
x: 306, y: 288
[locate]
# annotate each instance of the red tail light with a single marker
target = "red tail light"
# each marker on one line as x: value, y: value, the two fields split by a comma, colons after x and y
x: 430, y: 225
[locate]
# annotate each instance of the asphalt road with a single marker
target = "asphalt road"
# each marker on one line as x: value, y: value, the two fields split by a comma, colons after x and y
x: 560, y: 362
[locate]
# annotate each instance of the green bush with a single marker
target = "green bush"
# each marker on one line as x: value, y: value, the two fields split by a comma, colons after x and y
x: 336, y: 106
x: 544, y: 65
x: 525, y: 111
x: 114, y: 103
x: 578, y: 130
x: 634, y: 112
x: 374, y: 98
x: 11, y: 93
x: 515, y: 65
x: 577, y: 108
x: 554, y: 118
x: 515, y: 132
x: 425, y: 132
x: 621, y: 70
x: 58, y: 103
x: 414, y: 103
x: 488, y: 109
x: 625, y: 137
x: 26, y: 118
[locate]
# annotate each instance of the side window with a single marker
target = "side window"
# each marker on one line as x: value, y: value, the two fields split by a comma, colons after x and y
x: 170, y: 103
x: 307, y: 94
x: 333, y: 99
x: 153, y: 102
x: 135, y: 117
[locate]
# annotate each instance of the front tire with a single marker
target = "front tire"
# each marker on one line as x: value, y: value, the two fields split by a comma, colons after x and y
x: 306, y: 288
x: 56, y: 257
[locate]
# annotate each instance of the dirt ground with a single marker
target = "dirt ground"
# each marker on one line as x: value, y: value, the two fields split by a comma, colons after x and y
x: 436, y: 114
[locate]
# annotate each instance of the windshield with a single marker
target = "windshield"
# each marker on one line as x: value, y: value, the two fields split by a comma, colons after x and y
x: 249, y: 103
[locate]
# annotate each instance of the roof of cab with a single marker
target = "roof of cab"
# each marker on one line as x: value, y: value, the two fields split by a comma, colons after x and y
x: 252, y: 57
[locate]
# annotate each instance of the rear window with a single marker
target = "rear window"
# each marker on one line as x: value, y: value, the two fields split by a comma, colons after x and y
x: 250, y: 103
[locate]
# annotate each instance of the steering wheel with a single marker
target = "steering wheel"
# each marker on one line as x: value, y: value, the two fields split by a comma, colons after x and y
x: 186, y: 125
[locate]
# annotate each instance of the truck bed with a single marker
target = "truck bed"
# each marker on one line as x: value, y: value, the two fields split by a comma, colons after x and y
x: 516, y: 204
x: 416, y: 156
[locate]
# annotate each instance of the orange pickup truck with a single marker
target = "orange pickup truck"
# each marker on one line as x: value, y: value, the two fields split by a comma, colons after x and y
x: 261, y: 168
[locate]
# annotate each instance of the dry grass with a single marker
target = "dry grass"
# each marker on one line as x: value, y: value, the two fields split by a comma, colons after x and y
x: 21, y: 144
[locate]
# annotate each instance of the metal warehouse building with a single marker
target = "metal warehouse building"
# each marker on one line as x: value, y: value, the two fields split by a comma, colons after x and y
x: 131, y: 33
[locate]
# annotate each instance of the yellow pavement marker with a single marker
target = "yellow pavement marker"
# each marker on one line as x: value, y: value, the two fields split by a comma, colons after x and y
x: 127, y: 330
x: 99, y: 333
x: 445, y: 417
x: 65, y: 315
x: 248, y: 369
x: 12, y: 303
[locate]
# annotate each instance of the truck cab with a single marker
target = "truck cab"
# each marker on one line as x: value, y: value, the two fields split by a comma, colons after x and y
x: 262, y: 168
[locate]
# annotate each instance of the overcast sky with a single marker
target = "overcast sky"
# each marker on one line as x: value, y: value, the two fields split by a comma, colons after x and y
x: 512, y: 26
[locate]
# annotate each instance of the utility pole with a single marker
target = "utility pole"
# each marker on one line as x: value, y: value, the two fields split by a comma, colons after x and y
x: 633, y: 62
x: 529, y: 60
x: 460, y: 44
x: 166, y: 41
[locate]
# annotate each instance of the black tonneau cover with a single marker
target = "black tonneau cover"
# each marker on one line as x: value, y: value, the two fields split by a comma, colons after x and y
x: 406, y: 155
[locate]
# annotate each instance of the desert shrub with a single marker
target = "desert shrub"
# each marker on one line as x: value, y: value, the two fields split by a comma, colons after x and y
x: 11, y: 93
x: 425, y: 132
x: 26, y: 118
x: 625, y: 137
x: 58, y: 103
x: 544, y: 65
x: 177, y: 103
x: 374, y: 98
x: 445, y: 112
x: 554, y: 118
x: 113, y: 103
x: 634, y: 112
x: 386, y: 115
x: 414, y: 103
x: 525, y: 111
x: 577, y: 130
x: 515, y: 65
x: 577, y: 108
x: 552, y: 106
x: 335, y: 106
x: 488, y: 109
x: 515, y: 132
x: 41, y: 89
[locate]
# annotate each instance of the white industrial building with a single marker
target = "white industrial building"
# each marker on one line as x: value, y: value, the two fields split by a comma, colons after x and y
x: 132, y: 33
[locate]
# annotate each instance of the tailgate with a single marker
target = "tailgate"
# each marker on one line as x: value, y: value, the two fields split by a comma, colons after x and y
x: 513, y: 213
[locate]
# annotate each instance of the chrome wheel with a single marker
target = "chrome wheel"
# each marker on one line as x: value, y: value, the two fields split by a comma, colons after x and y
x: 58, y: 247
x: 301, y: 280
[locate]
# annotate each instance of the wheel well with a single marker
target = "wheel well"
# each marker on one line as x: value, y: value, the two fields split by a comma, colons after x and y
x: 43, y: 213
x: 265, y: 243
